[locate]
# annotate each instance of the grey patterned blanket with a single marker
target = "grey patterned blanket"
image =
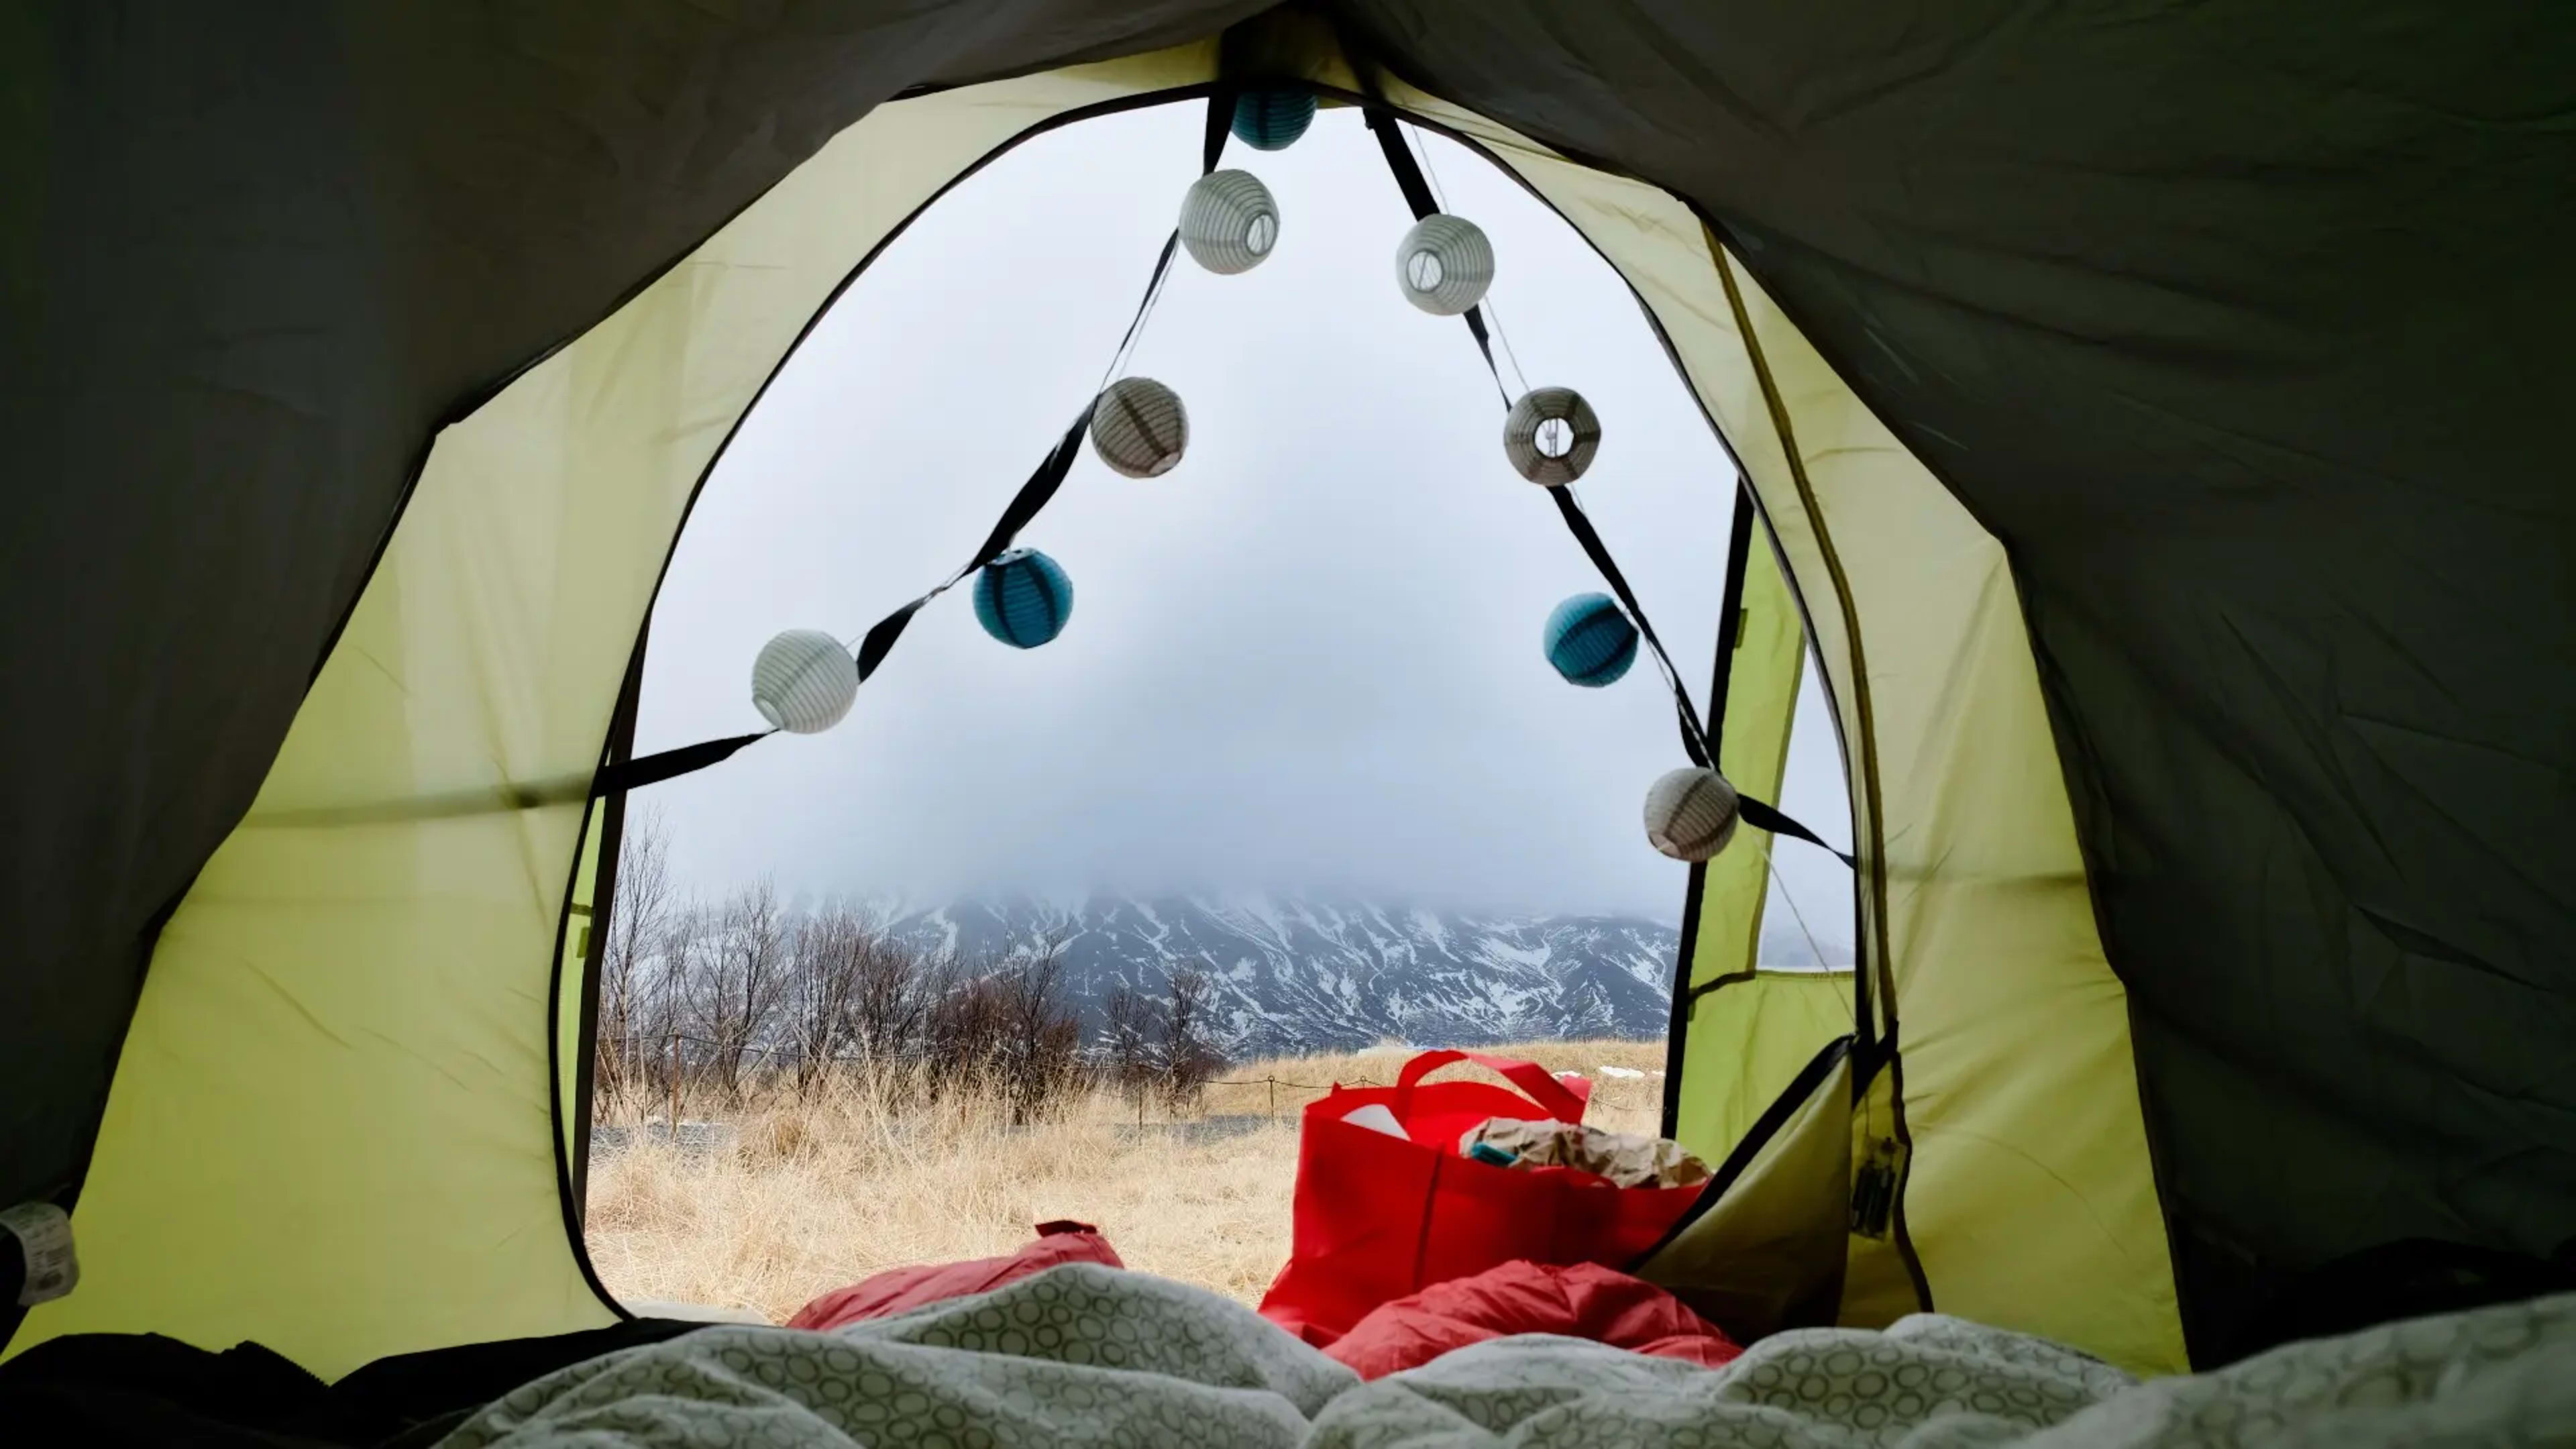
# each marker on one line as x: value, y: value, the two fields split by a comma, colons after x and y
x: 1083, y: 1355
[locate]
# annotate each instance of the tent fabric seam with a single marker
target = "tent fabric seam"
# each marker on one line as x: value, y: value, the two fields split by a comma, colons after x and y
x: 1140, y: 100
x: 1876, y: 858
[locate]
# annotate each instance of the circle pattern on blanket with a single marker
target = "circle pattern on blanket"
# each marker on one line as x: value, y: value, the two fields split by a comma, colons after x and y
x: 1233, y: 1382
x: 778, y: 1386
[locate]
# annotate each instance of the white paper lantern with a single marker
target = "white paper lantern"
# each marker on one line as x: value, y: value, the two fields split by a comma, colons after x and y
x: 1444, y: 265
x: 804, y: 681
x: 1139, y: 427
x: 1550, y: 435
x: 1229, y: 222
x: 1690, y: 813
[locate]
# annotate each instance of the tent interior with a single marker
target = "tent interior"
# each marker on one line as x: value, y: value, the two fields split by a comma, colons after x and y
x: 2143, y: 431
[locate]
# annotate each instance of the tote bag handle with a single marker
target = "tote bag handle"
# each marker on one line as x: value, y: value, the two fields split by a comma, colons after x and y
x: 1549, y: 1095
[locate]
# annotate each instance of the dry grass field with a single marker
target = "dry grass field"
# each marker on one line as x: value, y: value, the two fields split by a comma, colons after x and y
x: 789, y: 1198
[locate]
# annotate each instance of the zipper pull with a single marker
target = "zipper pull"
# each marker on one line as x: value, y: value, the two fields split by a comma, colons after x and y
x: 1873, y: 1200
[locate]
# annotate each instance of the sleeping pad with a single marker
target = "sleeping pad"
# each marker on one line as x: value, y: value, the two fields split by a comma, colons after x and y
x: 1088, y: 1355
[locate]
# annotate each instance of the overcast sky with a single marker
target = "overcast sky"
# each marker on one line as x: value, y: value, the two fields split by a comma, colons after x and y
x: 1306, y: 660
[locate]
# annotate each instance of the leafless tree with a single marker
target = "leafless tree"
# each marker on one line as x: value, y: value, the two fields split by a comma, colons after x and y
x: 716, y: 996
x: 639, y: 918
x: 1189, y: 1052
x: 1037, y: 1056
x: 998, y: 1023
x: 1131, y: 1043
x: 742, y: 973
x: 891, y: 1000
x: 961, y: 1023
x: 828, y: 953
x: 668, y: 999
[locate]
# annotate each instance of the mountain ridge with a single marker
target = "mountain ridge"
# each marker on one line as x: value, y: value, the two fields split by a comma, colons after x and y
x: 1294, y: 975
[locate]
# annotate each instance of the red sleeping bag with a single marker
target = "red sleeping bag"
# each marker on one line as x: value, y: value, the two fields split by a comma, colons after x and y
x: 900, y: 1290
x: 1581, y: 1300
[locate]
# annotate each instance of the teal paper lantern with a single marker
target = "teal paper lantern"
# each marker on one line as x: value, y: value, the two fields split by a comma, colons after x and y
x: 1271, y: 119
x: 1589, y: 641
x: 1023, y: 598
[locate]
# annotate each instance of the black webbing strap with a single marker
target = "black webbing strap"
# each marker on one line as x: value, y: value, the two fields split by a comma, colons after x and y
x: 1763, y: 817
x: 1577, y: 522
x: 1024, y: 507
x: 635, y: 774
x: 1417, y: 195
x: 1035, y: 494
x: 1695, y: 741
x: 1220, y: 121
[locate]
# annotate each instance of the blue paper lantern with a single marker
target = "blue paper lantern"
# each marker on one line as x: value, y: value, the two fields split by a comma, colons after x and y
x: 1589, y: 641
x: 1023, y: 598
x: 1272, y: 119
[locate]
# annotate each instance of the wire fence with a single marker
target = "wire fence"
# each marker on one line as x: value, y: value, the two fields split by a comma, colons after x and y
x: 1275, y: 1083
x: 669, y: 1041
x: 667, y: 1055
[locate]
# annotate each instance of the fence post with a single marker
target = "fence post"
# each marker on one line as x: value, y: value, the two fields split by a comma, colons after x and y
x: 671, y: 1124
x: 1274, y: 1096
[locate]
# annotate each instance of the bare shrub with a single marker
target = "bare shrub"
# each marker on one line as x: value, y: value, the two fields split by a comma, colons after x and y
x: 999, y: 1024
x: 1131, y: 1045
x: 963, y: 1020
x: 727, y: 999
x: 894, y: 989
x: 639, y: 917
x: 668, y: 1002
x: 826, y: 956
x: 1038, y: 1056
x: 741, y: 974
x: 1189, y: 1054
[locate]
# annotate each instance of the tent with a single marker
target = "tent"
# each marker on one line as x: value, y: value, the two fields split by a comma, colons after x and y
x: 2145, y: 413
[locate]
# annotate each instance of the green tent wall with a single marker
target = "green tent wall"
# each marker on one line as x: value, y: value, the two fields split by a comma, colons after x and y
x: 2227, y: 338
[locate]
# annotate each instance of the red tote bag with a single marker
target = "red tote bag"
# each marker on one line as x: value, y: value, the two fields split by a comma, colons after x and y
x: 1378, y: 1217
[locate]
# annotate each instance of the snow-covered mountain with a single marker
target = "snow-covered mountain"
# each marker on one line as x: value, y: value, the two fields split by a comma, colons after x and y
x: 1303, y: 976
